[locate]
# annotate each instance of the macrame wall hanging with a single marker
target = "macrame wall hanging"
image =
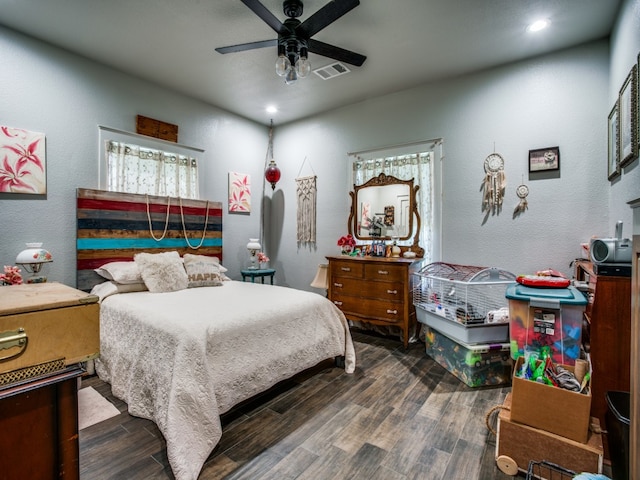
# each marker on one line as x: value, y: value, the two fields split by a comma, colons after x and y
x: 307, y: 192
x: 494, y: 184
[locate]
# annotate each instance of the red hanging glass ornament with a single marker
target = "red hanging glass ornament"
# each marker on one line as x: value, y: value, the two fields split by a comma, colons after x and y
x: 272, y: 174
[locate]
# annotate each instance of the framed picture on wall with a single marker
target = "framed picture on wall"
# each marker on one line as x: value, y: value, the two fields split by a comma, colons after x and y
x: 24, y: 166
x: 544, y: 159
x: 627, y: 121
x: 239, y: 192
x: 613, y: 161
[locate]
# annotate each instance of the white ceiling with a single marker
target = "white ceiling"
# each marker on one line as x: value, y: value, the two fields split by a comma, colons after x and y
x: 407, y: 43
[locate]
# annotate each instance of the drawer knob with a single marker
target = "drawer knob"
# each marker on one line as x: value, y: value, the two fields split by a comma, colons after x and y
x: 383, y: 272
x: 337, y: 303
x: 345, y: 269
x: 339, y: 285
x: 394, y: 312
x: 392, y: 292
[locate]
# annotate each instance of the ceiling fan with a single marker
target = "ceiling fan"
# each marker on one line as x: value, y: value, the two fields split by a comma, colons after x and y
x: 294, y: 40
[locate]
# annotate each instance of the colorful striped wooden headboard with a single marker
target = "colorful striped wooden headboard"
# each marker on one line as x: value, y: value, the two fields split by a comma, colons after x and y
x: 114, y: 226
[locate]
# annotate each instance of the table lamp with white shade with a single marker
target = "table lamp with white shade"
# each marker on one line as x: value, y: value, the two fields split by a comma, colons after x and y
x: 254, y: 247
x: 321, y: 279
x: 32, y: 259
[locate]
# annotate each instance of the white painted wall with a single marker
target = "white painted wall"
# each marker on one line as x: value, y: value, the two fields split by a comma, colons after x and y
x: 560, y: 99
x: 45, y: 89
x: 625, y: 48
x: 554, y: 100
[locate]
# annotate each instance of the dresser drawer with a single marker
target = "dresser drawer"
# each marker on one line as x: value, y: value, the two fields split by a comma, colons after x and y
x: 385, y: 272
x: 387, y: 291
x: 347, y: 269
x: 387, y: 311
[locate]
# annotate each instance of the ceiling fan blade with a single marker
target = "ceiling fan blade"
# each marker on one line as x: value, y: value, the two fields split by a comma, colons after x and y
x: 247, y: 46
x: 326, y: 15
x: 336, y: 53
x: 261, y: 11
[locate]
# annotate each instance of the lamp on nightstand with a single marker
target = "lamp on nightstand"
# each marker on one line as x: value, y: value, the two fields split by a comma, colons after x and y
x: 321, y: 280
x: 254, y: 247
x: 32, y: 260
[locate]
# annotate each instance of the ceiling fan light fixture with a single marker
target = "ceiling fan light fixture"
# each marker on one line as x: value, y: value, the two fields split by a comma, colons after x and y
x: 283, y: 65
x: 303, y: 67
x: 291, y: 77
x: 294, y: 37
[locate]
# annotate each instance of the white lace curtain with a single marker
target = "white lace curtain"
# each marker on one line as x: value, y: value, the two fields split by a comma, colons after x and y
x: 135, y: 169
x: 418, y: 166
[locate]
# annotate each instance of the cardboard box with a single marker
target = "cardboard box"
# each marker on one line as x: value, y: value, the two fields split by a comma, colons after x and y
x: 549, y: 408
x: 522, y: 444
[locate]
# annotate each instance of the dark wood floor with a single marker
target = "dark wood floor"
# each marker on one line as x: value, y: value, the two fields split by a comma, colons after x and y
x: 399, y: 416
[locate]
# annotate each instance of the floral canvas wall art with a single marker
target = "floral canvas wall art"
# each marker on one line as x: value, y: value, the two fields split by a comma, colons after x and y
x: 22, y: 161
x: 239, y: 193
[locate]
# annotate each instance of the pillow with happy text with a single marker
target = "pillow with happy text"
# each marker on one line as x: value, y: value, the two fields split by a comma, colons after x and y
x: 203, y: 271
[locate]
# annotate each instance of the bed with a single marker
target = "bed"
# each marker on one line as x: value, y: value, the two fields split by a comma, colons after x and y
x: 183, y: 357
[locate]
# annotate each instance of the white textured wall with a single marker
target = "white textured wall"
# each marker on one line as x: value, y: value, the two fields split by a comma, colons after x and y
x: 625, y: 47
x: 45, y: 89
x: 558, y: 99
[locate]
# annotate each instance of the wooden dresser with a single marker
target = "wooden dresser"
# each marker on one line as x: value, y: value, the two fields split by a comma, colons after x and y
x: 46, y: 331
x: 608, y: 316
x: 375, y: 290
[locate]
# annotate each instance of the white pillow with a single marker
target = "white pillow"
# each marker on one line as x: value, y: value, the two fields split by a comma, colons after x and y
x: 106, y: 289
x: 162, y: 272
x: 120, y: 272
x: 203, y: 271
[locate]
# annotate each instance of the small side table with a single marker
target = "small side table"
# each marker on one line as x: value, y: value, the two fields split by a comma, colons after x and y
x: 259, y: 272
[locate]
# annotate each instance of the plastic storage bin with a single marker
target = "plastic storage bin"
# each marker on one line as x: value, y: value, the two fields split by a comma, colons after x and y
x: 546, y: 317
x: 466, y: 303
x: 475, y: 365
x: 617, y: 420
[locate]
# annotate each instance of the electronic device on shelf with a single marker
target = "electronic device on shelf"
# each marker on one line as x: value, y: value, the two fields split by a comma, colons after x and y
x: 611, y: 250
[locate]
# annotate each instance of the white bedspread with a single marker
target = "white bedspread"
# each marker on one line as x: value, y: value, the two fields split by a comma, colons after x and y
x: 183, y: 358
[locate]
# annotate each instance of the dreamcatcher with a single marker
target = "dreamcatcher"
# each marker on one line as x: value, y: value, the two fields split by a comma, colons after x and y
x: 522, y: 191
x: 494, y: 183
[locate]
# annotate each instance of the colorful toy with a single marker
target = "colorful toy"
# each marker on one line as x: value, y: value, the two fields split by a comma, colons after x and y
x: 546, y: 318
x: 475, y: 365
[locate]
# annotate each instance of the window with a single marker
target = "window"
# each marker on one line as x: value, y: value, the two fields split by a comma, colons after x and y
x: 137, y: 164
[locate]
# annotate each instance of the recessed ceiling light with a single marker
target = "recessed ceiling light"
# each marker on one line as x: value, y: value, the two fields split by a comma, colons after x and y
x: 538, y: 25
x: 272, y: 109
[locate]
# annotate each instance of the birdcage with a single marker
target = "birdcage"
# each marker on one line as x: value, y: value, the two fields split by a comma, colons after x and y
x: 465, y: 302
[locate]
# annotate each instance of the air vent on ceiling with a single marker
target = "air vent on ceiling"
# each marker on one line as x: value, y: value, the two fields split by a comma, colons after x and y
x: 331, y: 71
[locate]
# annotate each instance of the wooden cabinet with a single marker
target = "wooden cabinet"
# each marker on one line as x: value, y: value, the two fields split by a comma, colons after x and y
x: 608, y: 316
x: 375, y: 290
x: 46, y: 331
x: 39, y: 427
x: 634, y: 407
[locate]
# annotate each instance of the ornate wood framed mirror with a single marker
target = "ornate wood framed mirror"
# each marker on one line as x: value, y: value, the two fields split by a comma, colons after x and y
x: 383, y: 208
